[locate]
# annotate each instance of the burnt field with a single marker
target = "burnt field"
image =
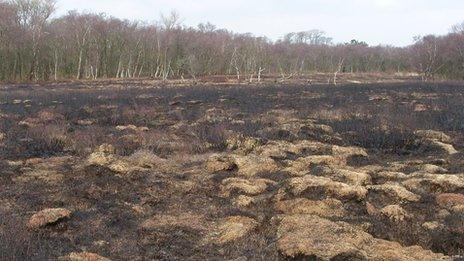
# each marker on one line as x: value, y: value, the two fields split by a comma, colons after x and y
x: 138, y: 171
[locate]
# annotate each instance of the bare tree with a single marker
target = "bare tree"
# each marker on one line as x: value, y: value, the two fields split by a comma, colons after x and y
x: 171, y: 21
x: 33, y: 15
x: 33, y: 46
x: 338, y: 70
x: 427, y: 56
x: 312, y: 37
x: 458, y: 28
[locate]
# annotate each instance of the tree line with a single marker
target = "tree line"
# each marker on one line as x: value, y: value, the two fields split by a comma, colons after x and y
x: 35, y: 46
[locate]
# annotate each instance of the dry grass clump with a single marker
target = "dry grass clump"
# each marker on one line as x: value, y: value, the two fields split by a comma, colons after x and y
x: 19, y: 243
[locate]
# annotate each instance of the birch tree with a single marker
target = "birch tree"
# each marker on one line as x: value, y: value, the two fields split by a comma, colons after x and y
x: 33, y: 15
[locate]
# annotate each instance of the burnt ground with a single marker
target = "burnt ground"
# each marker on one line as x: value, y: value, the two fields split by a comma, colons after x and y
x: 156, y: 171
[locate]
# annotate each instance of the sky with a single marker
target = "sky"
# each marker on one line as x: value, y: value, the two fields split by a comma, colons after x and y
x: 386, y: 22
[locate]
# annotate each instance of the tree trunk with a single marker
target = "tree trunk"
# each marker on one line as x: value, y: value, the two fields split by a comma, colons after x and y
x: 56, y: 66
x: 259, y: 73
x: 339, y: 69
x: 79, y: 64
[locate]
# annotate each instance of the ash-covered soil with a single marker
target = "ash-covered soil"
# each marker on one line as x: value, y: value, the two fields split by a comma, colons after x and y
x: 145, y: 172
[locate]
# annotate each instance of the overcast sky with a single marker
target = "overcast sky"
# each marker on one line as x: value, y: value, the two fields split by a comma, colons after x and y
x: 393, y: 22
